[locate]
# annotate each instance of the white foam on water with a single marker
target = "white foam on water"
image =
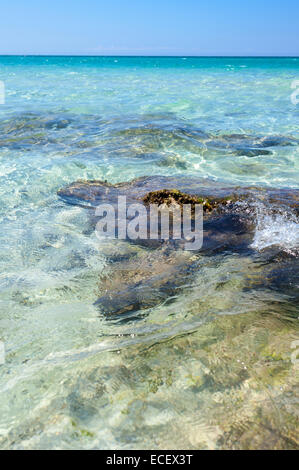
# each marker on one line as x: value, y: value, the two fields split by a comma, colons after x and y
x: 276, y: 230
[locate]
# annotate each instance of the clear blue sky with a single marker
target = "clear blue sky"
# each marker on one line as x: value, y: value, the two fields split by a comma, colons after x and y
x: 150, y: 27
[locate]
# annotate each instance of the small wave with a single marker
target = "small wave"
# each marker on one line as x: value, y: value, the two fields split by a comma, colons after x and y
x: 280, y: 229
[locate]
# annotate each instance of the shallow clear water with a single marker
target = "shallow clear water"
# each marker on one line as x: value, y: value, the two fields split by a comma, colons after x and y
x: 212, y: 369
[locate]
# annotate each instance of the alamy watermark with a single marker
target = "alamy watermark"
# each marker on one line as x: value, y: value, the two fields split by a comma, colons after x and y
x: 2, y: 92
x: 295, y: 353
x: 295, y: 94
x: 2, y: 353
x: 151, y: 222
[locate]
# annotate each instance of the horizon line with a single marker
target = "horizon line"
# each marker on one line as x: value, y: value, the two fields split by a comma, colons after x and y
x: 158, y: 56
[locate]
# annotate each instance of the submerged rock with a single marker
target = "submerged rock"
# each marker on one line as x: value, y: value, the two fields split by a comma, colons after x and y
x: 93, y: 192
x: 229, y: 224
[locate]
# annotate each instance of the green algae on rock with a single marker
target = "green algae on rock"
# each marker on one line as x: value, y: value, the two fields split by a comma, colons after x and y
x: 170, y: 197
x: 175, y: 197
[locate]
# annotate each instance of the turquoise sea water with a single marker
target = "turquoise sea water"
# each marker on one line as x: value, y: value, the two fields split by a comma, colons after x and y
x: 72, y: 379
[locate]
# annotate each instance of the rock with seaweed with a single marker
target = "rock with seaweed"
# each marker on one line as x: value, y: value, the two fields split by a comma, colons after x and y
x: 160, y: 273
x: 174, y: 197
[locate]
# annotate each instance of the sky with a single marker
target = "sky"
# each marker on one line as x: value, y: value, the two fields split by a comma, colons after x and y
x: 150, y: 27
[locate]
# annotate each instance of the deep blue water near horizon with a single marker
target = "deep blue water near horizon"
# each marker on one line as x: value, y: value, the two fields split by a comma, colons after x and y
x: 171, y: 378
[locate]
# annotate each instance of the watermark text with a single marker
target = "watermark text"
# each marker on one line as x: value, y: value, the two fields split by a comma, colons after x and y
x: 152, y: 222
x: 2, y: 353
x: 2, y: 92
x: 295, y: 94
